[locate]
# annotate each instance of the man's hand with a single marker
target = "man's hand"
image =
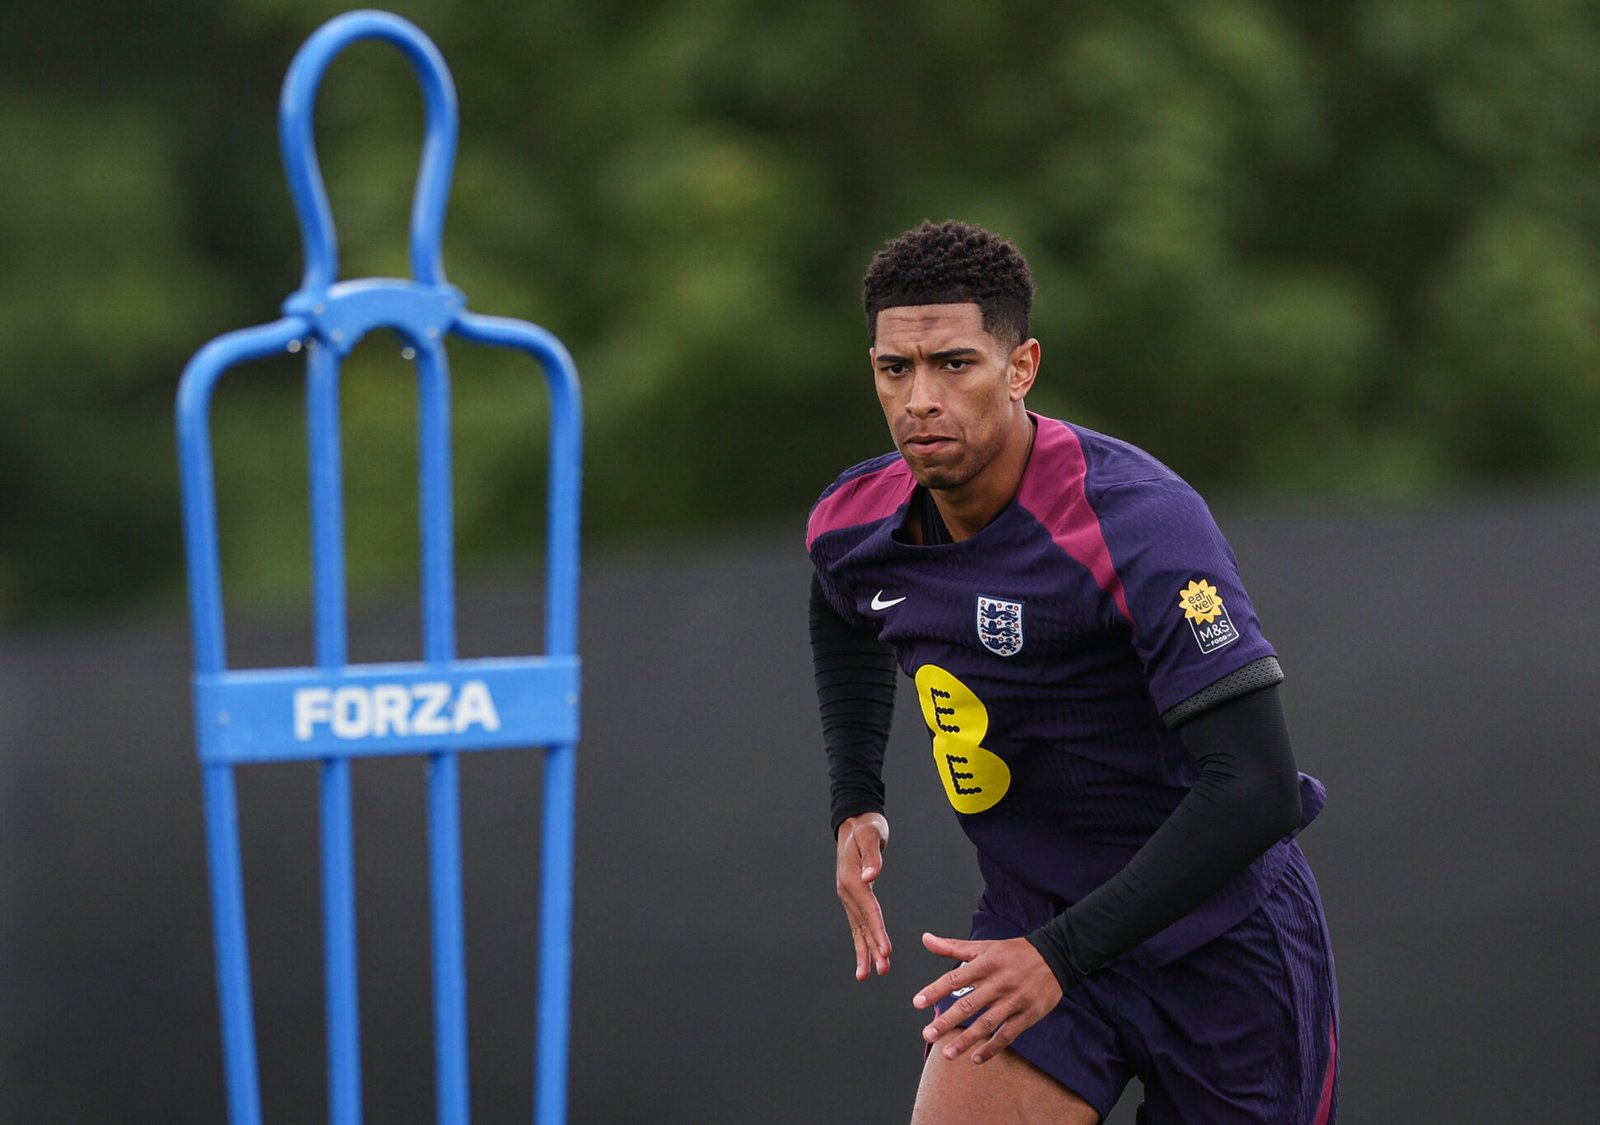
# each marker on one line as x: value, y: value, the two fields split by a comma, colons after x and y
x: 1006, y: 981
x: 859, y: 862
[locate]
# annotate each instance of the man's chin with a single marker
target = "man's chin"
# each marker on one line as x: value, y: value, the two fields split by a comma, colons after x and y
x: 937, y: 474
x: 936, y: 479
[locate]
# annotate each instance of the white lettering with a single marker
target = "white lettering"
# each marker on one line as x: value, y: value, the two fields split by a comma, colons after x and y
x: 391, y: 709
x: 475, y: 706
x: 310, y: 708
x: 427, y: 718
x: 430, y: 708
x: 352, y: 713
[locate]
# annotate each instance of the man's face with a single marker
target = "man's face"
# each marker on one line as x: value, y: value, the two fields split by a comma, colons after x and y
x: 950, y: 392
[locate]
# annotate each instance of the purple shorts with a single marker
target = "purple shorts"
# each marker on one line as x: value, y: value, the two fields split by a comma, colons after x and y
x: 1242, y: 1029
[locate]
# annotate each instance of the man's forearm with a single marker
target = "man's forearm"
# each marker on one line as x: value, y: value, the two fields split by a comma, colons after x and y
x: 1247, y: 798
x: 855, y: 674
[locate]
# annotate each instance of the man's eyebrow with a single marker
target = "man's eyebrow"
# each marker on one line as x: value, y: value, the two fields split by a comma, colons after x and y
x: 937, y: 357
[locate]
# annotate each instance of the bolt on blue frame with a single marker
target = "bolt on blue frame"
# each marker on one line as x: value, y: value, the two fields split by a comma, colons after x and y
x: 335, y: 711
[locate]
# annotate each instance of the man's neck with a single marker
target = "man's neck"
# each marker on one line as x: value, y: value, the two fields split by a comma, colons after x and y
x: 969, y: 509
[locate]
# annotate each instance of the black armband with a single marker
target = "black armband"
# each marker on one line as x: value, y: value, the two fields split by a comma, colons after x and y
x: 1241, y: 681
x: 855, y: 674
x: 1246, y: 799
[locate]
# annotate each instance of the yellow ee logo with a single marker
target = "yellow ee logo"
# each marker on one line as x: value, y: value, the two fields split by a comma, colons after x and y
x: 974, y: 779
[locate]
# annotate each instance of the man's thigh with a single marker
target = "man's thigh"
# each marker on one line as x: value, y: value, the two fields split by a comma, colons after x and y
x: 1006, y: 1090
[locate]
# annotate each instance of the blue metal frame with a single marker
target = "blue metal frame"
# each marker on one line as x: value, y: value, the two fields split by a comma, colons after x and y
x: 440, y: 706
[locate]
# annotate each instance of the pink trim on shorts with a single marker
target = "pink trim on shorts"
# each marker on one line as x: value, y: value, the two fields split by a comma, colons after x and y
x: 1325, y: 1103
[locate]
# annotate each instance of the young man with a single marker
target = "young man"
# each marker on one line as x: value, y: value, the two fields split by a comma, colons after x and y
x: 1105, y: 720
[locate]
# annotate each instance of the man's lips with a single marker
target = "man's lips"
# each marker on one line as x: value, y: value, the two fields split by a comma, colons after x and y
x: 928, y: 443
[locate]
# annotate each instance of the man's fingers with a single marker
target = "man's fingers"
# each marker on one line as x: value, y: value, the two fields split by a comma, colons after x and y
x: 944, y: 986
x: 991, y: 1033
x: 998, y: 992
x: 987, y: 1029
x: 985, y: 1020
x: 1000, y: 1040
x: 860, y: 862
x: 950, y: 947
x: 867, y: 928
x: 865, y: 914
x: 870, y: 957
x: 994, y: 1023
x: 872, y: 942
x: 962, y: 976
x: 858, y: 935
x: 875, y: 932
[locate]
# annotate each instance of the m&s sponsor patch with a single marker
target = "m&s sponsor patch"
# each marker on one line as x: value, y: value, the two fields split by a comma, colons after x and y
x: 1207, y: 616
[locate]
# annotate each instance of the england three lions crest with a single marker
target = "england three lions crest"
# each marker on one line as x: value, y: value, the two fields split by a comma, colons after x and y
x: 1000, y: 625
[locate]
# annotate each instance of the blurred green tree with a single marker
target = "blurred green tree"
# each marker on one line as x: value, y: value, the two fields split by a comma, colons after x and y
x: 1294, y: 248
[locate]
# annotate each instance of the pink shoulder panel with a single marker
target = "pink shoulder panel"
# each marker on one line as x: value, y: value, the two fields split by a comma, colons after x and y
x: 1053, y: 491
x: 863, y: 499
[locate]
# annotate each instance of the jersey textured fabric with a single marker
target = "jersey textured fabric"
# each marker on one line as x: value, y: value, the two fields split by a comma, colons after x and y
x: 1046, y: 649
x: 1245, y: 798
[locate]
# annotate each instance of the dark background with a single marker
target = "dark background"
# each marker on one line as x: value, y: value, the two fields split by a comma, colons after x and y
x: 1441, y: 668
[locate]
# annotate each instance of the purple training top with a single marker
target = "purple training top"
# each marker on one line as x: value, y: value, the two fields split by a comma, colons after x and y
x: 1045, y: 650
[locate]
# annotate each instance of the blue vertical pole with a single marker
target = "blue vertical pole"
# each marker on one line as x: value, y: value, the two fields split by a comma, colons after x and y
x: 202, y: 557
x: 232, y: 946
x: 555, y: 936
x: 338, y: 848
x: 561, y: 639
x: 449, y: 947
x: 444, y: 784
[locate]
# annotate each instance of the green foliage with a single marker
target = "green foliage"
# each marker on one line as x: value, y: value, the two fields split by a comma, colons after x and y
x: 1292, y: 247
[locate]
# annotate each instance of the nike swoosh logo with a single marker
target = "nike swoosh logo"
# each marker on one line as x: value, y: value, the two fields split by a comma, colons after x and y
x: 879, y: 603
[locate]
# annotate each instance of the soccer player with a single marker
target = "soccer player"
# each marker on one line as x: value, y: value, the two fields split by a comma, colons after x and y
x: 1105, y: 721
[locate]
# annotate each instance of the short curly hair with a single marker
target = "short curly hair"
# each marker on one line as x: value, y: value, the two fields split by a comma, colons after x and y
x: 952, y: 263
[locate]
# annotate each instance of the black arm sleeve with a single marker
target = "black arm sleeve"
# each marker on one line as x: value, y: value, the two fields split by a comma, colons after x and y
x: 1247, y: 798
x: 855, y: 695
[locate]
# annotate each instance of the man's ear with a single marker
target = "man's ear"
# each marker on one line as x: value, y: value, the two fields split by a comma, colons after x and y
x: 1023, y: 368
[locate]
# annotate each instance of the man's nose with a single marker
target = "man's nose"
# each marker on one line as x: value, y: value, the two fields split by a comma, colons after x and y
x: 923, y: 400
